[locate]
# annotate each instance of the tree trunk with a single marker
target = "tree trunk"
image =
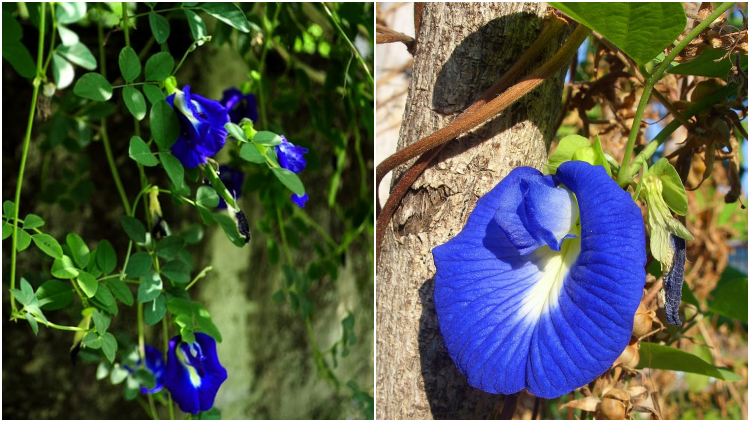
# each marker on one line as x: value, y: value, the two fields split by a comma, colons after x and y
x: 463, y: 48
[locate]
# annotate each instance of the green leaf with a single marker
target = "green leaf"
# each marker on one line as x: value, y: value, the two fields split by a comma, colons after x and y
x: 32, y: 322
x: 564, y: 152
x: 154, y: 94
x: 673, y: 191
x: 177, y: 271
x: 67, y: 36
x: 138, y: 265
x: 25, y: 295
x: 140, y: 152
x: 54, y: 295
x: 23, y: 241
x: 195, y: 22
x: 289, y: 179
x: 62, y: 71
x: 88, y: 283
x: 174, y: 169
x: 13, y: 49
x: 207, y: 196
x: 63, y: 268
x: 228, y: 13
x: 78, y: 54
x: 599, y: 158
x: 159, y: 66
x: 92, y: 340
x: 134, y: 228
x: 689, y: 297
x: 704, y: 65
x: 266, y: 138
x: 657, y: 356
x: 250, y: 153
x: 109, y: 346
x: 78, y: 249
x: 169, y: 247
x: 32, y: 221
x: 105, y: 300
x: 640, y: 30
x: 121, y: 291
x: 134, y: 101
x: 155, y: 310
x: 165, y: 128
x: 194, y: 315
x: 229, y: 226
x: 159, y: 27
x: 106, y: 258
x: 48, y: 245
x: 150, y: 287
x: 7, y: 229
x: 93, y: 86
x: 731, y: 300
x: 101, y: 321
x: 236, y: 131
x: 70, y: 12
x: 194, y: 233
x: 118, y: 374
x: 130, y: 65
x: 145, y: 378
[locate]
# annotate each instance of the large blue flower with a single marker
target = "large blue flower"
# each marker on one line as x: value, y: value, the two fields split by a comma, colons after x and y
x: 239, y: 105
x: 194, y: 373
x: 539, y: 290
x: 202, y: 132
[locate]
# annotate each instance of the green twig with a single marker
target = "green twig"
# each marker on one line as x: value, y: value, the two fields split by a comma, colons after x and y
x: 651, y: 147
x: 261, y: 67
x: 624, y: 177
x: 24, y: 154
x: 351, y: 46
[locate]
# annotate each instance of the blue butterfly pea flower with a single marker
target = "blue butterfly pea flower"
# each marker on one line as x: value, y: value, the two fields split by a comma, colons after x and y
x: 202, y: 132
x: 539, y: 290
x: 300, y: 201
x: 239, y: 105
x: 291, y: 157
x: 155, y: 364
x: 194, y: 373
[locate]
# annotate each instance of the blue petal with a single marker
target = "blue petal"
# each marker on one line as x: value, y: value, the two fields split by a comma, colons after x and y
x: 548, y: 321
x: 291, y: 157
x: 300, y: 201
x: 194, y: 373
x: 202, y: 132
x: 533, y: 211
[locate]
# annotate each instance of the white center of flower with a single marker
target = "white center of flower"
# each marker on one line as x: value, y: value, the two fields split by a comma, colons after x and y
x: 195, y: 379
x: 181, y: 104
x: 554, y: 267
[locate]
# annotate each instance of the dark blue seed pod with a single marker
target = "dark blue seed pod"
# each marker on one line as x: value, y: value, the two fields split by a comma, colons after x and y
x: 674, y: 279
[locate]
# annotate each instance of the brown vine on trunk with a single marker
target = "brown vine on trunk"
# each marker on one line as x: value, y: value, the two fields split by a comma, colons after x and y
x: 462, y: 49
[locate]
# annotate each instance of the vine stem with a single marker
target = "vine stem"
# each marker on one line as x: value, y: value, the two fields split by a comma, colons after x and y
x: 351, y: 46
x: 24, y: 154
x: 623, y: 177
x: 487, y: 107
x: 489, y: 110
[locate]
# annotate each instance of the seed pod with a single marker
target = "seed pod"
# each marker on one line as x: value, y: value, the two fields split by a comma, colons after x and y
x: 615, y: 404
x: 630, y: 356
x: 704, y: 89
x: 642, y: 321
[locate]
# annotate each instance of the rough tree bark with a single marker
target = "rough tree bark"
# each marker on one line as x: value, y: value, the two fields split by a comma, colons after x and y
x: 463, y: 48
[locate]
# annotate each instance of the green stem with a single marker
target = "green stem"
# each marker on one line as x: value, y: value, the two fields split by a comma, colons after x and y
x: 24, y: 154
x: 623, y: 177
x: 60, y: 327
x: 659, y: 139
x: 113, y: 167
x: 351, y: 46
x: 283, y: 237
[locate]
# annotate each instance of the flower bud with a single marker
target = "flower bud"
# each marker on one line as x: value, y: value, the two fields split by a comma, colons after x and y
x: 585, y: 154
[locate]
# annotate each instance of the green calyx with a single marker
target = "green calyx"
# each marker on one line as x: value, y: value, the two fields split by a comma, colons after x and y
x: 661, y: 222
